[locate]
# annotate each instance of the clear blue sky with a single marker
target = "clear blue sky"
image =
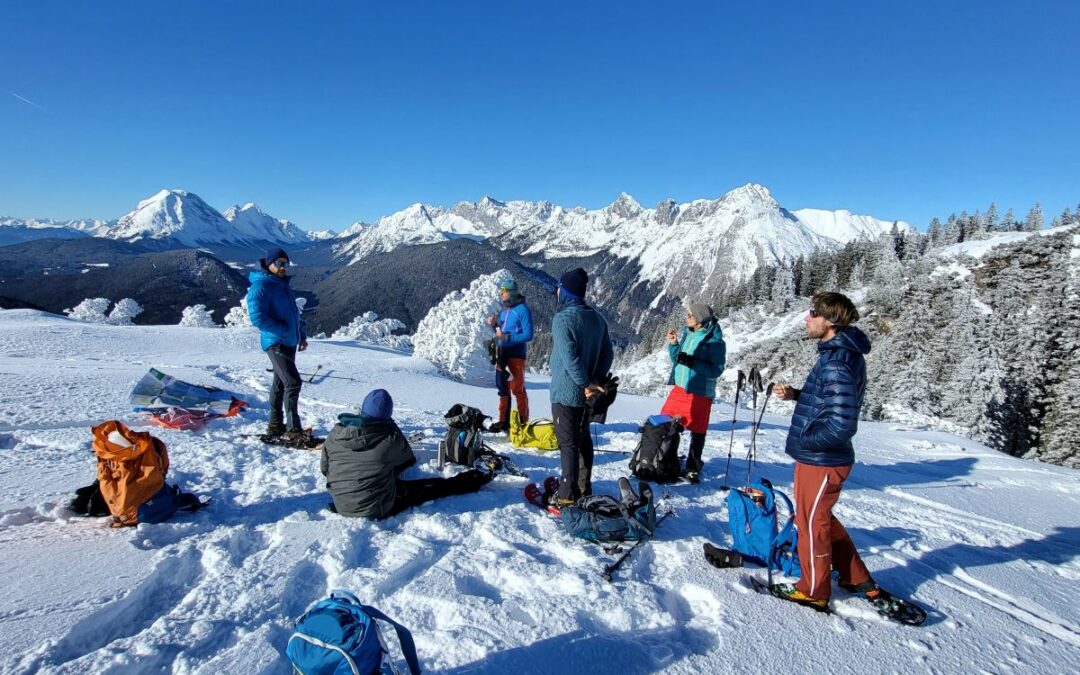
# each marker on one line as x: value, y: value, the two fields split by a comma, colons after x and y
x: 329, y: 112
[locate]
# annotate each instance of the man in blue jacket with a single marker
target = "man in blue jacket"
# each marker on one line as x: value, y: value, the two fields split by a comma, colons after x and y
x: 513, y: 332
x: 826, y: 418
x: 272, y: 307
x: 580, y: 358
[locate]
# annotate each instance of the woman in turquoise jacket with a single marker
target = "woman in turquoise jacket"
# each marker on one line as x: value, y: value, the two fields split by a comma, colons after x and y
x: 697, y: 360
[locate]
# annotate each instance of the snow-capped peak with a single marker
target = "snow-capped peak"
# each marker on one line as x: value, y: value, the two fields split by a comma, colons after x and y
x: 751, y: 193
x: 625, y: 206
x: 184, y: 217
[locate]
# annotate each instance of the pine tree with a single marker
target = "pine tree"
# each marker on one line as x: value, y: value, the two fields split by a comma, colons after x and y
x: 782, y: 297
x: 90, y: 310
x: 124, y: 313
x: 991, y: 219
x: 1034, y: 220
x: 952, y: 231
x: 936, y: 233
x: 197, y: 316
x: 1008, y: 224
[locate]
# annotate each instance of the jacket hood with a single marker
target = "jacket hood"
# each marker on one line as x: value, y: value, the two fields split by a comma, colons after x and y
x: 851, y: 339
x: 261, y: 276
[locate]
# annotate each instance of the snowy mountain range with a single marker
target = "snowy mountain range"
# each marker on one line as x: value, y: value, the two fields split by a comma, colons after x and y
x: 171, y: 218
x: 700, y: 245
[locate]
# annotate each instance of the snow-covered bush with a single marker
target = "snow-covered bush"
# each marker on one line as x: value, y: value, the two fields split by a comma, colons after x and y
x: 368, y: 327
x: 90, y: 310
x: 454, y: 336
x: 125, y: 312
x: 238, y: 316
x: 198, y: 316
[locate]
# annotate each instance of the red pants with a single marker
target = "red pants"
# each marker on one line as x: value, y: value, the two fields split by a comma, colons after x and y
x: 694, y: 409
x: 824, y: 544
x: 511, y: 380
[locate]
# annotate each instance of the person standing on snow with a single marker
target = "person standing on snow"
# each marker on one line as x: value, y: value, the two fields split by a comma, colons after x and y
x: 697, y: 359
x: 581, y: 355
x: 826, y: 418
x: 513, y: 332
x: 272, y: 307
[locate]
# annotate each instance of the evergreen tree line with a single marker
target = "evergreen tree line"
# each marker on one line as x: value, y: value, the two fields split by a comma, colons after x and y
x: 991, y: 345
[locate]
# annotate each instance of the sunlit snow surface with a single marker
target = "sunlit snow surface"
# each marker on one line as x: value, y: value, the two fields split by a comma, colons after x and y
x: 487, y: 584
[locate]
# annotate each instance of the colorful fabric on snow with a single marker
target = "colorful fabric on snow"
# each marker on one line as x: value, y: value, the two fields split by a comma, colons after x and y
x: 176, y: 404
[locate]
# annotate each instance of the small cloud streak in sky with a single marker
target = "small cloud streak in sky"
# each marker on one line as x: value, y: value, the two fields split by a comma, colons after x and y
x: 27, y: 101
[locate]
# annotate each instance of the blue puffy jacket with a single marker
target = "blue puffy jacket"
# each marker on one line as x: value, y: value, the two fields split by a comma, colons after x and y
x: 581, y: 352
x: 515, y: 320
x: 706, y: 346
x: 272, y: 307
x: 827, y: 413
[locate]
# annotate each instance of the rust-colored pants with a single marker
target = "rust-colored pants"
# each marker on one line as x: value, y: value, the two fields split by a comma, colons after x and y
x: 511, y: 380
x: 824, y: 544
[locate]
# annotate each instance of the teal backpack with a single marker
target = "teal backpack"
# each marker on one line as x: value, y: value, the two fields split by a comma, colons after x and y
x: 339, y: 636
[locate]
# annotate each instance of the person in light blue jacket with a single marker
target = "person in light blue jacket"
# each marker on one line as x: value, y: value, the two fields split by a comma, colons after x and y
x: 271, y: 304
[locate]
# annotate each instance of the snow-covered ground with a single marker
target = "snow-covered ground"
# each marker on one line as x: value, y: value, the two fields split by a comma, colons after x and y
x: 488, y: 585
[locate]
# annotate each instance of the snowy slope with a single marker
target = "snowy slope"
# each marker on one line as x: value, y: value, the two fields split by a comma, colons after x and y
x: 977, y: 248
x: 845, y: 226
x: 486, y: 584
x: 15, y: 230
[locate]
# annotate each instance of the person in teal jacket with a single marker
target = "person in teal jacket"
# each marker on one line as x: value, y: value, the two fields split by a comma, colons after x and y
x: 581, y: 355
x: 272, y: 307
x: 697, y: 360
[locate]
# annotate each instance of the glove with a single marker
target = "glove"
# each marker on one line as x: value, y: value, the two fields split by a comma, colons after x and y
x: 684, y: 359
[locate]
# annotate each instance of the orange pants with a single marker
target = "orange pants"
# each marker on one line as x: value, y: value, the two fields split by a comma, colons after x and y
x: 511, y: 380
x: 824, y: 544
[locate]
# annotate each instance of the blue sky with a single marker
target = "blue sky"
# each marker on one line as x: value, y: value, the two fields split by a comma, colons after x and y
x: 329, y: 112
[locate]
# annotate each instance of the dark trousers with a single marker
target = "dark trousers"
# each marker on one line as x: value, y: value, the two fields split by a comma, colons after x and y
x: 575, y: 449
x: 411, y: 493
x: 693, y: 457
x: 285, y: 389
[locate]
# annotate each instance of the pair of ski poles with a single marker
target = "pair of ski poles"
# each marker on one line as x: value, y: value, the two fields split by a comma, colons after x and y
x: 757, y: 386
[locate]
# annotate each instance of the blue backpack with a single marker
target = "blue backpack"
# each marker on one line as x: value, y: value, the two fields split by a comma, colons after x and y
x: 166, y: 502
x: 339, y: 636
x: 602, y: 518
x: 755, y: 532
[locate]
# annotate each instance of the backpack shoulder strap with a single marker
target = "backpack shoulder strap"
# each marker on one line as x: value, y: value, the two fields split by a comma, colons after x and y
x: 408, y: 647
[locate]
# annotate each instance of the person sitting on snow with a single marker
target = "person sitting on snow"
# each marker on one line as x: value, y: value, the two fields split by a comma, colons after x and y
x: 363, y: 457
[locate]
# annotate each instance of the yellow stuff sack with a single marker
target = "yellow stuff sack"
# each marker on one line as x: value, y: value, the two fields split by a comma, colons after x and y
x: 538, y: 433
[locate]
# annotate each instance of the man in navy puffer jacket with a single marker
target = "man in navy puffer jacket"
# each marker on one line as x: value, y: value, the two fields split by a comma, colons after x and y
x: 825, y: 420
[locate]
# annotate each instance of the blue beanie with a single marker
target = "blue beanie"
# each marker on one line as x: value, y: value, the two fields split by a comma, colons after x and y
x: 508, y: 285
x: 275, y: 253
x: 378, y: 405
x: 574, y: 282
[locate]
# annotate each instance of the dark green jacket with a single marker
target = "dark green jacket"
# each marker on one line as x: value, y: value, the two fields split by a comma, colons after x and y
x: 361, y: 460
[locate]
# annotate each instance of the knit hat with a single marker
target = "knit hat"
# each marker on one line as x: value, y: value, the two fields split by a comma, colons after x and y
x: 574, y: 282
x: 378, y: 405
x: 275, y: 253
x: 700, y: 311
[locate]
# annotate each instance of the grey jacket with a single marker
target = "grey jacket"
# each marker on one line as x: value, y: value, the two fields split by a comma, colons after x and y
x: 361, y: 460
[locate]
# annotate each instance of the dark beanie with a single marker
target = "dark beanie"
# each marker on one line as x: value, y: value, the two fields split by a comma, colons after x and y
x: 275, y: 253
x: 378, y: 405
x: 574, y: 282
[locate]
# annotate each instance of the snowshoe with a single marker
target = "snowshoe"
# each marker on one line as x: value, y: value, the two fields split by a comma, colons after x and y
x: 722, y: 558
x: 894, y: 608
x: 541, y: 497
x: 302, y: 440
x: 788, y: 592
x: 497, y: 463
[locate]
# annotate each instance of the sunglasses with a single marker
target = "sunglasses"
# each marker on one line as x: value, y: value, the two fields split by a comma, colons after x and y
x: 814, y: 313
x: 281, y: 262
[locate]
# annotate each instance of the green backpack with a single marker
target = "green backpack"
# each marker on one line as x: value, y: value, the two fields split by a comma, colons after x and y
x: 538, y: 433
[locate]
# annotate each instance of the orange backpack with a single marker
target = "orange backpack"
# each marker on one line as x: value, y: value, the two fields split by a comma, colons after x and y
x: 131, y: 469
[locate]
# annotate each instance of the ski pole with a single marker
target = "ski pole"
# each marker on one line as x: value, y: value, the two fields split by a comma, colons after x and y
x: 614, y: 566
x: 317, y: 369
x: 734, y: 414
x: 752, y: 455
x: 321, y: 377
